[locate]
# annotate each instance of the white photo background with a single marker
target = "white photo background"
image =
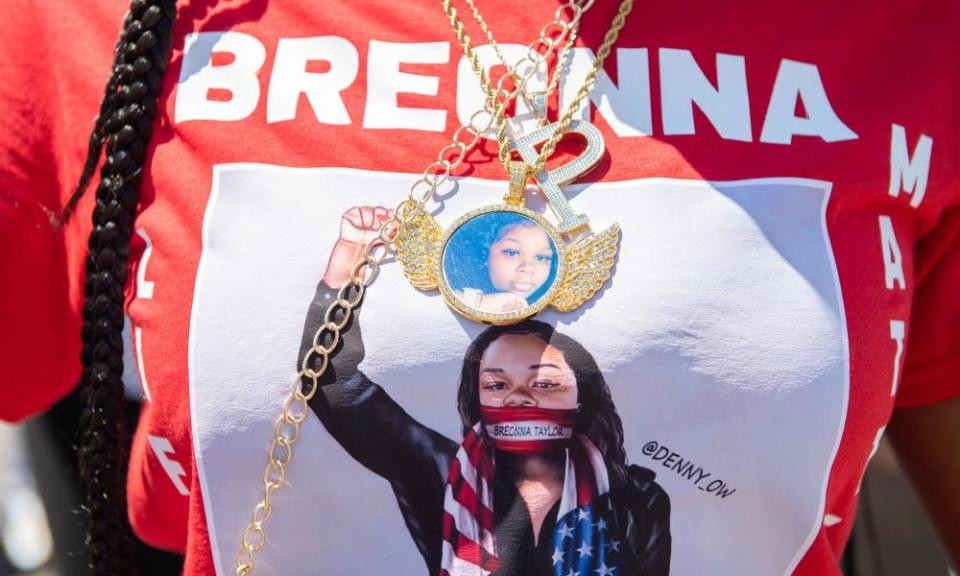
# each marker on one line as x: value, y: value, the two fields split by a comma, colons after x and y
x: 721, y: 336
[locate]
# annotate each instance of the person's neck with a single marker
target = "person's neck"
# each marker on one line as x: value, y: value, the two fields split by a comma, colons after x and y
x: 539, y: 482
x: 547, y: 467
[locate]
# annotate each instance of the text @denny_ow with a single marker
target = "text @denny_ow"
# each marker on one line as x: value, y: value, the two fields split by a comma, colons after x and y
x: 686, y: 468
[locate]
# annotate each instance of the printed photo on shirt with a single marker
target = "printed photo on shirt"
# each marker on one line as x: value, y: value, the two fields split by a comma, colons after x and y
x: 688, y: 390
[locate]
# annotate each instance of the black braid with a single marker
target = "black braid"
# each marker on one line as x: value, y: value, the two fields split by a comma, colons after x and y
x: 97, y: 137
x: 124, y: 124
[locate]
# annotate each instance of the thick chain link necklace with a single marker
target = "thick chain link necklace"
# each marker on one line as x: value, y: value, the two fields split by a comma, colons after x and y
x: 408, y: 230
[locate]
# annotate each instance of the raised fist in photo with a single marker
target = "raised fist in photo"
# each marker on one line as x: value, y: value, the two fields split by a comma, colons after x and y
x: 358, y: 226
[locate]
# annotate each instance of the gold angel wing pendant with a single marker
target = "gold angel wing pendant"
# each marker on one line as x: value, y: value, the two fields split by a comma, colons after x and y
x: 587, y: 266
x: 418, y: 250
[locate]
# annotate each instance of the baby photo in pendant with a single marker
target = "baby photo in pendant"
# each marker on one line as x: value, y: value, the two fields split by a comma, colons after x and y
x: 500, y: 261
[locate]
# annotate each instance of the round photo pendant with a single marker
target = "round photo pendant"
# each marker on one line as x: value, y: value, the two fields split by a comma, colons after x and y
x: 500, y: 264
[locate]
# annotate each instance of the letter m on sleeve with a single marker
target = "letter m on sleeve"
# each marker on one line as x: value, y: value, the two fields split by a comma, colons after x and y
x: 909, y: 173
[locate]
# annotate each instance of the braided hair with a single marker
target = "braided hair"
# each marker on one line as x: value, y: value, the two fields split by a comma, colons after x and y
x: 123, y: 126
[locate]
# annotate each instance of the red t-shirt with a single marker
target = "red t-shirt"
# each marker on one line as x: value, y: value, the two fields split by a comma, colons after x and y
x: 784, y: 176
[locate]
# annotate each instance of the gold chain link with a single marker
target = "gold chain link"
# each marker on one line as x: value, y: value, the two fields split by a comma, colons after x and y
x: 483, y: 26
x: 500, y: 104
x: 567, y: 35
x: 286, y: 430
x: 562, y: 59
x: 608, y: 41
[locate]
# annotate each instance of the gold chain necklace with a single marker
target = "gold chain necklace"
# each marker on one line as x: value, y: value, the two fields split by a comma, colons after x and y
x: 485, y: 280
x: 399, y: 233
x: 500, y: 104
x: 567, y: 35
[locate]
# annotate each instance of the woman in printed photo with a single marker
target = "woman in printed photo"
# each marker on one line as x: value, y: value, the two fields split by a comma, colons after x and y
x: 539, y: 483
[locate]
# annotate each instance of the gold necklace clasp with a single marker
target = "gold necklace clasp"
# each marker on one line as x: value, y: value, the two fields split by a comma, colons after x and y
x: 519, y: 174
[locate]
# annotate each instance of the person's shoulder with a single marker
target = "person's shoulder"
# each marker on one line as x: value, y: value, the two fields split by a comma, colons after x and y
x: 645, y: 490
x: 55, y: 59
